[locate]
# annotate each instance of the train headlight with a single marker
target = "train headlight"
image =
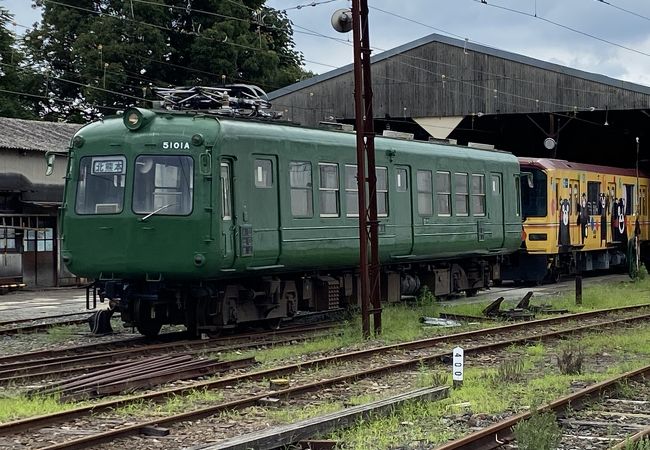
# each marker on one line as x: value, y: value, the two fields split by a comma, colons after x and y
x: 136, y: 118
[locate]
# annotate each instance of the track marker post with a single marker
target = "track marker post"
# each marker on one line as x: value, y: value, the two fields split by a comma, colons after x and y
x: 458, y: 367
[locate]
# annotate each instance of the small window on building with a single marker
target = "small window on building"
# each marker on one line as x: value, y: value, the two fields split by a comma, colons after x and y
x: 382, y: 191
x: 425, y: 202
x: 401, y: 181
x: 329, y: 189
x: 443, y: 193
x: 593, y: 197
x: 7, y: 238
x: 478, y: 194
x: 301, y: 189
x: 263, y: 173
x: 351, y: 191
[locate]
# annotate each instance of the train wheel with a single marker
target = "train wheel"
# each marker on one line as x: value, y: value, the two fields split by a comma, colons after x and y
x: 149, y: 329
x: 471, y: 292
x: 145, y: 324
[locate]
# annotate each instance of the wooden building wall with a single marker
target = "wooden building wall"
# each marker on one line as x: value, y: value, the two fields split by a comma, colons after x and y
x: 450, y: 79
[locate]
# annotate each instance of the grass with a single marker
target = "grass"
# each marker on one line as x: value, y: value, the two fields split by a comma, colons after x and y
x: 13, y: 408
x: 400, y: 323
x: 541, y: 383
x: 172, y: 405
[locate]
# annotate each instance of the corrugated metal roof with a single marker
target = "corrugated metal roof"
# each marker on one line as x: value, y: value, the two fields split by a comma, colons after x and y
x: 469, y: 46
x: 36, y: 135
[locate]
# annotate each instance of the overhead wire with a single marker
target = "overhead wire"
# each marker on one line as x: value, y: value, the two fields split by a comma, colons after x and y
x: 623, y: 9
x: 560, y: 25
x: 448, y: 78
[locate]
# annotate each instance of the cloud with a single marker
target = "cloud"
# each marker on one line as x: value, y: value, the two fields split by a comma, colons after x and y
x: 498, y: 28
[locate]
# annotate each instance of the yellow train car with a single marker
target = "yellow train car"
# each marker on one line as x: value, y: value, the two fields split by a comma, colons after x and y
x: 579, y: 216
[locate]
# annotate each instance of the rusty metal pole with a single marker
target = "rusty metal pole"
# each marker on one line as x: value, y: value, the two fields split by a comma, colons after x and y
x: 364, y: 284
x: 374, y: 271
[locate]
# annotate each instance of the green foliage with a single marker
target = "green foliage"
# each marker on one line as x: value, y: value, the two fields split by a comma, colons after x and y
x: 426, y: 297
x: 98, y: 57
x: 13, y: 76
x: 540, y: 432
x: 509, y: 371
x: 18, y: 407
x: 643, y: 444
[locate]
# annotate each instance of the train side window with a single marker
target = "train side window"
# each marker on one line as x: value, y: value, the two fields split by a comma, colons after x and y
x: 263, y: 173
x: 643, y: 198
x: 351, y: 191
x: 382, y: 191
x: 629, y: 199
x: 593, y: 197
x: 518, y: 195
x: 478, y: 194
x: 443, y: 193
x: 226, y: 202
x: 401, y: 181
x: 461, y: 194
x: 425, y: 202
x: 329, y: 189
x: 301, y: 189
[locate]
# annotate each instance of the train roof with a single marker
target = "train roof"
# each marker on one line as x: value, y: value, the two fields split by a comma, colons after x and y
x: 561, y: 164
x: 283, y: 131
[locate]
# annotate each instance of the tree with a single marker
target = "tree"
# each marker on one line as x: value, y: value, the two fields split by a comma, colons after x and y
x: 99, y: 55
x: 14, y: 80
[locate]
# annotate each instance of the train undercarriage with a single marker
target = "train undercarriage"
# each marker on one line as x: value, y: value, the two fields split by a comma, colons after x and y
x: 211, y: 306
x: 548, y: 268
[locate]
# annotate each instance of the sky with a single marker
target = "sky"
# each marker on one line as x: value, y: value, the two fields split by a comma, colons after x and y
x: 607, y: 39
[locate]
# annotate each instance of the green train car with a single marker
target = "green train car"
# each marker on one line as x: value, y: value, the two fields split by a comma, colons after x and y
x: 188, y: 218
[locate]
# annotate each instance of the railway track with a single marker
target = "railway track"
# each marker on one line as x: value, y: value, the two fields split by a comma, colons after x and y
x: 65, y: 364
x: 576, y: 433
x: 410, y: 354
x: 40, y: 323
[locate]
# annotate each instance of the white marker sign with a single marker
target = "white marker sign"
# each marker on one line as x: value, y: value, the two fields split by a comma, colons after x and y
x: 459, y: 363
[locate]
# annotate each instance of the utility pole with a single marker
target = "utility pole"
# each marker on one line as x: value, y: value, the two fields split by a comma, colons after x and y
x: 369, y: 268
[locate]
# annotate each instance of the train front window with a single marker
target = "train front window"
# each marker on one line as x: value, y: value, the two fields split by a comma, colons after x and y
x: 100, y: 187
x: 534, y: 199
x: 163, y: 185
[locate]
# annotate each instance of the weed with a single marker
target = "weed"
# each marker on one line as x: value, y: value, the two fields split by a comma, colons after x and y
x: 428, y: 378
x: 643, y: 444
x: 509, y: 371
x: 570, y: 359
x: 540, y: 432
x: 426, y: 297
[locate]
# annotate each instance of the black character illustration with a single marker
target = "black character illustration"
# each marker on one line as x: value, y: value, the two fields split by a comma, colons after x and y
x: 583, y: 218
x: 603, y: 205
x: 619, y: 233
x: 564, y: 237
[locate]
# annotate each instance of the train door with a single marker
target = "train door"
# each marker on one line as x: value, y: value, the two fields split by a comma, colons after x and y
x: 227, y: 216
x: 612, y: 197
x: 401, y: 211
x: 496, y: 215
x: 263, y: 213
x: 577, y: 215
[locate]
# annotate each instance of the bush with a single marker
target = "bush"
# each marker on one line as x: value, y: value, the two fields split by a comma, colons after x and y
x: 570, y: 359
x: 540, y: 432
